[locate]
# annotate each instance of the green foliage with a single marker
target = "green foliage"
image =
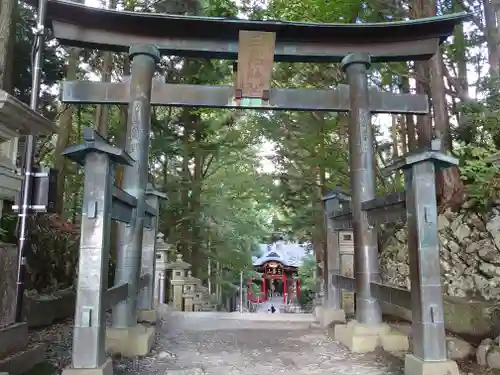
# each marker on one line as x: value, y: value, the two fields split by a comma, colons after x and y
x: 306, y: 273
x: 307, y: 281
x: 315, y: 10
x: 227, y: 204
x: 8, y: 228
x: 251, y: 274
x: 481, y: 116
x: 53, y: 254
x: 255, y: 290
x: 52, y: 64
x: 481, y: 176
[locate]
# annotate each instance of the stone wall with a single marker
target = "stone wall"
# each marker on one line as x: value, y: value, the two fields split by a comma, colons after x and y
x: 470, y: 255
x: 39, y: 309
x: 44, y: 310
x: 8, y: 270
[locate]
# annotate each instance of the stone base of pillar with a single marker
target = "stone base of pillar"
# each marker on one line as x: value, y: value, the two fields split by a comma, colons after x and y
x: 130, y: 342
x: 362, y: 338
x: 105, y: 369
x: 417, y: 366
x: 327, y: 316
x: 148, y: 316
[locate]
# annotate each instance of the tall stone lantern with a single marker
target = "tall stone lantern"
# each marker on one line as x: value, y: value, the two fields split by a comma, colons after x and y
x: 162, y: 250
x: 179, y: 268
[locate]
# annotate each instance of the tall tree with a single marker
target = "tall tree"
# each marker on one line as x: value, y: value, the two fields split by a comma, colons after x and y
x: 7, y: 40
x: 65, y: 128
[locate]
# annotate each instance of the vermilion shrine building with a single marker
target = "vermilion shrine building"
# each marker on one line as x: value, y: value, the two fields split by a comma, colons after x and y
x: 279, y: 268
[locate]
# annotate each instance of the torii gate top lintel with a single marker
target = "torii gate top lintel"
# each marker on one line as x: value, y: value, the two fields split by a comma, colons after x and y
x: 210, y: 37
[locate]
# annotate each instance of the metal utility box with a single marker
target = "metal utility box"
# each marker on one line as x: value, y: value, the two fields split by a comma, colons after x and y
x: 44, y: 191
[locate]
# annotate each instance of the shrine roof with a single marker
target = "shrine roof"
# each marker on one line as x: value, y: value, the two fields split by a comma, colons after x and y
x: 214, y: 37
x: 289, y: 254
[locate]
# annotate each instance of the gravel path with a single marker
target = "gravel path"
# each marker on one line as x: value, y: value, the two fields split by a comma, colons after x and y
x: 197, y: 345
x: 58, y: 338
x: 206, y: 344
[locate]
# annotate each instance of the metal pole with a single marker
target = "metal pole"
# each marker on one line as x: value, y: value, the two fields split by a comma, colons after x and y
x: 363, y: 188
x: 209, y: 276
x: 29, y: 152
x: 161, y: 289
x: 135, y: 178
x: 241, y: 291
x: 217, y: 286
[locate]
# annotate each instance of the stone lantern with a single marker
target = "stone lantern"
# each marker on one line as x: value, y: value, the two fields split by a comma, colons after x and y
x: 198, y: 298
x: 203, y: 298
x: 16, y: 120
x: 179, y: 268
x: 189, y: 295
x: 162, y: 250
x: 198, y: 301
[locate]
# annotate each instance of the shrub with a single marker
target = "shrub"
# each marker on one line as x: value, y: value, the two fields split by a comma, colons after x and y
x: 480, y: 174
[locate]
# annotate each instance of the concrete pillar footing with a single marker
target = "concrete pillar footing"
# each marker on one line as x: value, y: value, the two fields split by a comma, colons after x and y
x: 363, y: 338
x: 105, y: 369
x: 327, y: 316
x: 148, y: 316
x: 417, y: 366
x: 130, y: 342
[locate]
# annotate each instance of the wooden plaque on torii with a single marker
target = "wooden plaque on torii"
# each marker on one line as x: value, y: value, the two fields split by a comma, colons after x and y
x: 255, y: 64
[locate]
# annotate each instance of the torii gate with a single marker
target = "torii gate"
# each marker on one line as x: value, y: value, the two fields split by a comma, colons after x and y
x: 256, y: 44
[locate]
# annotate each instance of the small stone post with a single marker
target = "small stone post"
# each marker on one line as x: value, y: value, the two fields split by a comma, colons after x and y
x: 198, y: 301
x: 189, y: 294
x: 205, y: 297
x: 162, y: 250
x: 179, y: 268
